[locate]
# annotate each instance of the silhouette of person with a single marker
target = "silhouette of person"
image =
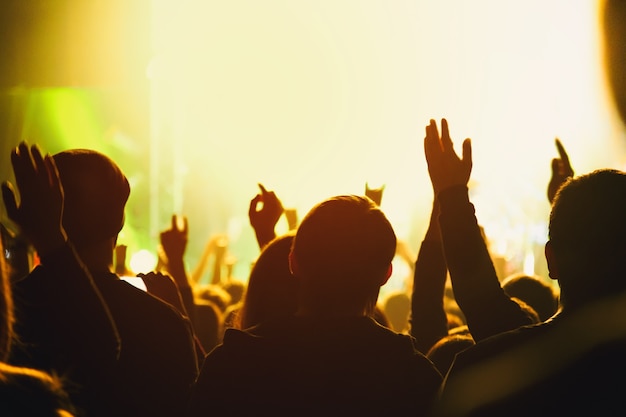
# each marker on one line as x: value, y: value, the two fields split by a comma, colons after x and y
x: 45, y: 316
x: 157, y: 362
x: 331, y: 357
x: 574, y: 363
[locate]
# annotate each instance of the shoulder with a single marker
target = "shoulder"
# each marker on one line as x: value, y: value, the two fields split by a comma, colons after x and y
x: 495, y: 345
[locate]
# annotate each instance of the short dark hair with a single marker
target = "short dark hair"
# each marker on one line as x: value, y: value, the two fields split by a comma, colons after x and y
x: 96, y: 192
x: 346, y: 239
x: 588, y: 232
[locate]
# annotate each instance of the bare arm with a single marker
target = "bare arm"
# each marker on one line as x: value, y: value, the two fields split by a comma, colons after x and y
x: 477, y: 290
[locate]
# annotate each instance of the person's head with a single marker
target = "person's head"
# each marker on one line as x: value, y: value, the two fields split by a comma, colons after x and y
x: 397, y: 307
x: 342, y: 254
x: 272, y: 291
x: 443, y: 352
x: 586, y: 251
x: 96, y: 192
x: 208, y: 324
x: 535, y: 292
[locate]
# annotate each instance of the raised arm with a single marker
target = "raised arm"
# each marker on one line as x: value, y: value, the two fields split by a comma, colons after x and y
x: 429, y: 322
x: 62, y: 320
x: 477, y: 290
x: 263, y: 220
x: 213, y: 247
x: 174, y: 244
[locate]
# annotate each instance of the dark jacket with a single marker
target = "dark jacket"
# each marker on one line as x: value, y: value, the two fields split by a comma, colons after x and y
x: 300, y: 366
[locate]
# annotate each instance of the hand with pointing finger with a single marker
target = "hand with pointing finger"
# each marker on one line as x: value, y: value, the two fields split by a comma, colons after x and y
x: 264, y: 219
x: 174, y: 240
x: 561, y: 171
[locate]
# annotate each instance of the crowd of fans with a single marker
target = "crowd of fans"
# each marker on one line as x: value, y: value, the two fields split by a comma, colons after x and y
x: 307, y: 333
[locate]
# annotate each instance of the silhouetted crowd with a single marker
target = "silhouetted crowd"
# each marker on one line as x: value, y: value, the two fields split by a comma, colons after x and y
x: 307, y: 334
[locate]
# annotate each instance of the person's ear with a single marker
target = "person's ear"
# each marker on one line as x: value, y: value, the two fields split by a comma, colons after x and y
x: 553, y: 272
x: 387, y: 275
x: 293, y: 264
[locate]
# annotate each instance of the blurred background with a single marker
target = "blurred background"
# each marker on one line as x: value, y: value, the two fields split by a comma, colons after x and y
x: 198, y: 101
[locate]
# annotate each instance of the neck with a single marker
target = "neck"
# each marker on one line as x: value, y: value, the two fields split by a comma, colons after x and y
x: 308, y: 311
x: 98, y: 257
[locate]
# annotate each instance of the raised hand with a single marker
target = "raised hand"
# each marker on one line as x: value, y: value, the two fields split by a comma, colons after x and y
x: 174, y: 239
x: 445, y: 168
x: 561, y: 170
x: 375, y: 194
x: 39, y: 213
x: 264, y: 220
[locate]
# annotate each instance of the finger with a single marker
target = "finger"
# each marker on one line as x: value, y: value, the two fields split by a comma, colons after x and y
x: 23, y: 167
x: 446, y: 142
x: 53, y: 172
x: 174, y: 222
x: 560, y: 148
x: 556, y: 167
x: 431, y: 141
x: 10, y: 202
x: 37, y: 159
x: 263, y: 190
x: 567, y: 167
x: 434, y: 130
x: 272, y: 199
x: 253, y: 204
x: 185, y: 225
x: 467, y: 153
x: 17, y: 162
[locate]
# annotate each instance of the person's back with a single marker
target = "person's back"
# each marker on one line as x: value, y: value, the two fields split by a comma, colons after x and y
x: 331, y: 358
x: 157, y: 361
x: 309, y: 366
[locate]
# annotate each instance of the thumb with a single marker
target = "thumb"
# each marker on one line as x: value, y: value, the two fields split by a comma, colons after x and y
x: 556, y: 167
